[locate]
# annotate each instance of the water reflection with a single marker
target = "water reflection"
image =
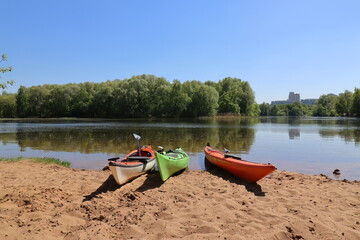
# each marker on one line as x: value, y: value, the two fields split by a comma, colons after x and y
x: 87, y: 143
x: 347, y: 135
x: 113, y: 138
x: 320, y: 121
x: 294, y: 133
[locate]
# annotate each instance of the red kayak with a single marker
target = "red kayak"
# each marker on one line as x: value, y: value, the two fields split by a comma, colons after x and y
x: 249, y: 171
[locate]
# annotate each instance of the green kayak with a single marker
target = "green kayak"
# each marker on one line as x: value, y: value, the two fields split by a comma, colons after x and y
x: 171, y: 162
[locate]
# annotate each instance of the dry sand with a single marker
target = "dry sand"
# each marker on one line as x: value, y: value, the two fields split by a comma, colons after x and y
x: 52, y: 202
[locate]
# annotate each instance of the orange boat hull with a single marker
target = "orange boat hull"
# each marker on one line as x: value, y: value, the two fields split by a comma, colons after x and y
x: 249, y: 171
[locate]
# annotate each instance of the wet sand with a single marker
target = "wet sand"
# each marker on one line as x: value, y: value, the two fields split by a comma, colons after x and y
x: 40, y: 201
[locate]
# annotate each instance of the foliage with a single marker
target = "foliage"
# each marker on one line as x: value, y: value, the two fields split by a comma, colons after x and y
x: 145, y: 96
x: 226, y: 105
x: 254, y: 110
x: 204, y: 99
x: 137, y: 97
x: 356, y: 103
x: 326, y: 106
x: 294, y: 109
x: 7, y: 105
x: 236, y: 97
x: 265, y: 109
x: 279, y: 110
x: 3, y: 85
x: 178, y: 100
x: 344, y: 103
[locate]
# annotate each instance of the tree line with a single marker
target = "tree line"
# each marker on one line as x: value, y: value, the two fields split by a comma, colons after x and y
x: 146, y: 96
x: 137, y: 97
x: 346, y: 104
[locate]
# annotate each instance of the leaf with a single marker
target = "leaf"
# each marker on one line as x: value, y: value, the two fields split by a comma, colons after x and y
x: 4, y: 57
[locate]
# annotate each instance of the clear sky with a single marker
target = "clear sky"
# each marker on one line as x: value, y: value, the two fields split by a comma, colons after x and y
x: 311, y: 47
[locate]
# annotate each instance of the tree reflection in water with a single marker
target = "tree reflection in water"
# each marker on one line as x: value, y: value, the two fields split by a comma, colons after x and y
x: 117, y: 138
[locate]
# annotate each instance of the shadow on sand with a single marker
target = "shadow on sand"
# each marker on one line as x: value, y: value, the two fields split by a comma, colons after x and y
x: 153, y: 180
x: 251, y: 187
x: 109, y: 185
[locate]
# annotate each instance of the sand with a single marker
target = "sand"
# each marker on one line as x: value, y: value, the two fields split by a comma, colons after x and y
x: 40, y: 201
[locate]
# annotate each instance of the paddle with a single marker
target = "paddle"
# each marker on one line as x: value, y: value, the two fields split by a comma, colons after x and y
x: 227, y: 155
x: 137, y: 137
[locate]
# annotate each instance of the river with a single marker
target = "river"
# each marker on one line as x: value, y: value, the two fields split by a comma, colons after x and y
x: 306, y: 145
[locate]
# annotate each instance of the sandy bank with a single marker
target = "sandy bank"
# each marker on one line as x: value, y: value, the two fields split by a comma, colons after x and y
x: 52, y: 202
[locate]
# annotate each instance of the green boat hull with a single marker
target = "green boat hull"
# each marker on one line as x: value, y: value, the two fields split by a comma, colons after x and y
x: 171, y: 162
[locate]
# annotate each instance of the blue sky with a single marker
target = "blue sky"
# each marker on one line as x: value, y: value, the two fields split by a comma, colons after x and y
x: 311, y: 47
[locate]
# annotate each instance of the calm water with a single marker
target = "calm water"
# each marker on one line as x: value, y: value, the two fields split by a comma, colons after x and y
x: 305, y: 145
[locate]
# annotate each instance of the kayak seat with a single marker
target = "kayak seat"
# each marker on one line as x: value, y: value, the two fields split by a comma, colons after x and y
x: 232, y: 156
x: 138, y: 158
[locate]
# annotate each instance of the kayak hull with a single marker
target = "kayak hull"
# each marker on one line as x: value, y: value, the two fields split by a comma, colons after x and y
x: 171, y: 162
x: 132, y: 165
x: 248, y: 171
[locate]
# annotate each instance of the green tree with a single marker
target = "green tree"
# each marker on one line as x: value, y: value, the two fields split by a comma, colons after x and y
x: 227, y: 105
x: 159, y: 96
x: 178, y: 100
x: 59, y: 102
x: 78, y: 100
x: 3, y: 85
x: 83, y: 100
x: 344, y: 104
x: 254, y: 110
x: 247, y: 100
x: 139, y: 96
x: 326, y: 106
x: 135, y: 93
x: 236, y: 96
x: 230, y: 95
x: 279, y: 110
x: 356, y: 103
x: 22, y: 102
x: 7, y: 105
x: 265, y: 109
x: 38, y: 101
x: 204, y: 99
x: 295, y: 109
x: 101, y: 104
x: 215, y: 85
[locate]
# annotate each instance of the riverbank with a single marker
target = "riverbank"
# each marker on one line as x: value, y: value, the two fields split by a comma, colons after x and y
x: 40, y: 201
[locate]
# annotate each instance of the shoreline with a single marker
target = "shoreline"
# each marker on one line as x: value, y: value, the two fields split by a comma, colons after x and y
x: 51, y: 202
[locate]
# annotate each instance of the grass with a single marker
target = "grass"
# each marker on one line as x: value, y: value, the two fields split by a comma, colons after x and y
x: 39, y: 160
x: 11, y: 159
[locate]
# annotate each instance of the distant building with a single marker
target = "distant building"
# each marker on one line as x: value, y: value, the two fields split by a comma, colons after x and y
x: 293, y: 98
x: 280, y: 102
x: 309, y: 101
